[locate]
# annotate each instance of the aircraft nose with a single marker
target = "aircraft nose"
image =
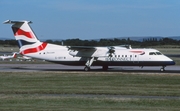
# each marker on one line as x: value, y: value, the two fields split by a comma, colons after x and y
x: 171, y: 62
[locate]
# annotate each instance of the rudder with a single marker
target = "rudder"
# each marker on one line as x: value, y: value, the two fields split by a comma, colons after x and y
x: 26, y: 38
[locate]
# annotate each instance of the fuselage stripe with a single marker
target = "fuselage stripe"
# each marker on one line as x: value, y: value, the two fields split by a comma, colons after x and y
x: 140, y: 52
x: 137, y: 51
x: 36, y: 49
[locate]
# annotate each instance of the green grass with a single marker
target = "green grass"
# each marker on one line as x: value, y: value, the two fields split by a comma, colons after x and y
x: 89, y: 83
x: 30, y: 91
x: 86, y: 104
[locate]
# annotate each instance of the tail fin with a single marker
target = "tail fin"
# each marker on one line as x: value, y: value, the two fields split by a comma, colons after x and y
x: 27, y: 40
x: 14, y: 55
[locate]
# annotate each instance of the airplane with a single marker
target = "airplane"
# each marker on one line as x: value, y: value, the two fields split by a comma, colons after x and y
x: 4, y: 57
x: 86, y: 56
x: 25, y: 58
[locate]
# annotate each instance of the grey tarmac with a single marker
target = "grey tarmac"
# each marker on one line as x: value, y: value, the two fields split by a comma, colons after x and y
x: 59, y: 67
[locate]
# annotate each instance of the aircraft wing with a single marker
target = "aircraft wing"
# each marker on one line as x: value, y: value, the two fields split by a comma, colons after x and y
x: 86, y: 51
x: 82, y: 48
x: 82, y: 51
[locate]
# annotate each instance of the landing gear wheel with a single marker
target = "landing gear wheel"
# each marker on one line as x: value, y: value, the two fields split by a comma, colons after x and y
x: 162, y: 69
x: 105, y: 68
x: 86, y: 68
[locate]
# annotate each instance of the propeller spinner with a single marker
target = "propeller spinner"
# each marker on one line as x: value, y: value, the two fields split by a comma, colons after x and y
x: 111, y: 51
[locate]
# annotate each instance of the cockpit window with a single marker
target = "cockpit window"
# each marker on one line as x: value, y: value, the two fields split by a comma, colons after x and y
x: 152, y: 53
x: 158, y: 53
x: 155, y: 53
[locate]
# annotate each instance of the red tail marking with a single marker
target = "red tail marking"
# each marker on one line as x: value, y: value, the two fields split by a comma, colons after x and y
x: 18, y: 31
x: 36, y: 49
x: 15, y: 55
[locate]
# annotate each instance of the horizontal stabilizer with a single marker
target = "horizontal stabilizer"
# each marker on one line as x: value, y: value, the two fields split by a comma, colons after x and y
x: 13, y: 22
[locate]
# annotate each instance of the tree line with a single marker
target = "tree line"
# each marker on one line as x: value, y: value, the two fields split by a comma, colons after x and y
x: 146, y: 42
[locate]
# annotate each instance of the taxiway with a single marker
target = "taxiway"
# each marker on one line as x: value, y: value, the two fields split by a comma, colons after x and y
x: 58, y: 67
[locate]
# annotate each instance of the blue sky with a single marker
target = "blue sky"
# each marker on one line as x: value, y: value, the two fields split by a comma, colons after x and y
x: 93, y: 19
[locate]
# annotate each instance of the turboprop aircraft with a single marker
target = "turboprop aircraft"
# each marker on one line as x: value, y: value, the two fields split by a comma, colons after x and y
x: 83, y: 55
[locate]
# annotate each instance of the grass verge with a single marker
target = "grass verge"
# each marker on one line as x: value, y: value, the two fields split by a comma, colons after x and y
x: 85, y: 104
x: 28, y: 91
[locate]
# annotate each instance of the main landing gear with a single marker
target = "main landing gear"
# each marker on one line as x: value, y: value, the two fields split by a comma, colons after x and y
x: 105, y: 68
x: 88, y: 64
x: 86, y: 68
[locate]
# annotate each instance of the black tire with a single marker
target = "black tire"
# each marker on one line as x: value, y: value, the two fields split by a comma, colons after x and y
x: 86, y: 68
x: 105, y: 68
x: 162, y: 69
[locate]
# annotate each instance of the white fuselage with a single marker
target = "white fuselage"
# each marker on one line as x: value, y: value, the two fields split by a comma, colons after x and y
x: 121, y: 57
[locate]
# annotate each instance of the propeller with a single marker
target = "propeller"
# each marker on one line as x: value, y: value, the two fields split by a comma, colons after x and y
x: 111, y: 51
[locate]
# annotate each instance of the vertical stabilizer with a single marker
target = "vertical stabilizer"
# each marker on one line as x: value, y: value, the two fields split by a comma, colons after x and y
x: 27, y: 40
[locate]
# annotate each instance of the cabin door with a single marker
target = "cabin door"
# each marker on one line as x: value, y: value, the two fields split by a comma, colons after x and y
x: 136, y: 59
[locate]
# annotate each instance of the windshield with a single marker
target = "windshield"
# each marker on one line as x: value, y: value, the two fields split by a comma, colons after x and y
x: 158, y: 53
x: 155, y: 53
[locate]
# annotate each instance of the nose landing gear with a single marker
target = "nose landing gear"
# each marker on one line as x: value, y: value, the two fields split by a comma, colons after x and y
x: 162, y: 69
